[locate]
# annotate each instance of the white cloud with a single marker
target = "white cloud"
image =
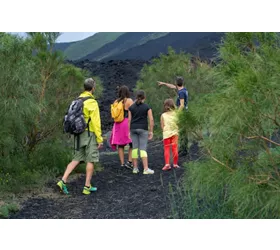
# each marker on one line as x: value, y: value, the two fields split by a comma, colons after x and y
x: 66, y: 36
x: 74, y: 36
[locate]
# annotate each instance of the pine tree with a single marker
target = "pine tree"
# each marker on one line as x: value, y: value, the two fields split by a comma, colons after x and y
x: 234, y: 112
x: 37, y: 86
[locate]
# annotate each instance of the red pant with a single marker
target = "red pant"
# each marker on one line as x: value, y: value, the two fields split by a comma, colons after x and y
x: 173, y: 142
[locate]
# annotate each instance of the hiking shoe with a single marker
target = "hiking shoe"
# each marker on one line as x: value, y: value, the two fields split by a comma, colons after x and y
x: 92, y: 189
x: 176, y: 166
x: 135, y: 171
x: 125, y: 166
x: 148, y: 171
x: 87, y: 190
x: 166, y: 167
x: 129, y: 165
x: 62, y: 187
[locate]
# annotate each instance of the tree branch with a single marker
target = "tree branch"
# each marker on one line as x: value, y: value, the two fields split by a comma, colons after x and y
x: 216, y: 160
x: 267, y: 149
x: 264, y: 138
x: 258, y: 181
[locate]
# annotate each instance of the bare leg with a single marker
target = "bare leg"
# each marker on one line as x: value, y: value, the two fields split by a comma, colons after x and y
x: 135, y: 161
x: 145, y: 162
x: 121, y: 154
x: 71, y: 166
x: 89, y: 173
x: 130, y: 154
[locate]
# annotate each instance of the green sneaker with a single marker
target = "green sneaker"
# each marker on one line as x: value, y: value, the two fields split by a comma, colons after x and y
x: 87, y: 190
x: 92, y: 189
x: 62, y: 186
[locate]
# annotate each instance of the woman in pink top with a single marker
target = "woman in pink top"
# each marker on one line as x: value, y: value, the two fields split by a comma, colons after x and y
x: 120, y: 133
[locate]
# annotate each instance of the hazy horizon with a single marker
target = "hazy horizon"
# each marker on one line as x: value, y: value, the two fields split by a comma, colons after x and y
x: 66, y: 36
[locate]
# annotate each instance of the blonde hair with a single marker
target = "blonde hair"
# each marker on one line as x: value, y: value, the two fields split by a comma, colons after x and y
x: 169, y: 105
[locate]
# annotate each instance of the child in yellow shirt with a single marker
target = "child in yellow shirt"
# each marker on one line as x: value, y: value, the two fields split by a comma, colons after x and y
x: 170, y: 133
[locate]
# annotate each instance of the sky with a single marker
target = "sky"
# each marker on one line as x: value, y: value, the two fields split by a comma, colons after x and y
x: 74, y: 36
x: 67, y: 36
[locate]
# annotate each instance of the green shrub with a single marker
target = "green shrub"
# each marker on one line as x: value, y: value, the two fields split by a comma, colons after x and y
x: 37, y: 87
x: 234, y: 113
x: 6, y: 209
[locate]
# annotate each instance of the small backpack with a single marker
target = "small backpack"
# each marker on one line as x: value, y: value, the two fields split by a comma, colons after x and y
x: 74, y: 121
x: 117, y: 111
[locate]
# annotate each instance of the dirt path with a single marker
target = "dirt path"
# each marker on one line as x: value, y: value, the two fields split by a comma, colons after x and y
x: 120, y: 193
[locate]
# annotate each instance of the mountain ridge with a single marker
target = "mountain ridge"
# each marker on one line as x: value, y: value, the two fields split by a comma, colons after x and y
x: 143, y: 45
x: 123, y: 43
x: 88, y: 45
x: 199, y: 44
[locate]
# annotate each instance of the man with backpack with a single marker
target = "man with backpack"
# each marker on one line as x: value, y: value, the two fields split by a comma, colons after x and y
x: 182, y: 104
x: 83, y: 121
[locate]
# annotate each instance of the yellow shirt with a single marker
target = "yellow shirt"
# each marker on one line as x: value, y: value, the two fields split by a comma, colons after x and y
x: 91, y: 109
x: 170, y: 127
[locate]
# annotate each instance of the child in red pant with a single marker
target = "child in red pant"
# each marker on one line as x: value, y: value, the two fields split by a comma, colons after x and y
x: 170, y: 133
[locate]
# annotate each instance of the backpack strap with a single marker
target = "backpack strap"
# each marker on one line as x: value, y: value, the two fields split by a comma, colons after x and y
x: 124, y: 101
x: 88, y: 126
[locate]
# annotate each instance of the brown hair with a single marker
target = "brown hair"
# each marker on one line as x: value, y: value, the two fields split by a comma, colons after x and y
x: 169, y: 105
x: 123, y: 92
x: 140, y: 96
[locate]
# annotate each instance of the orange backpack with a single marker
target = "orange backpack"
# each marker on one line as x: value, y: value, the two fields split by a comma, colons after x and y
x: 117, y: 111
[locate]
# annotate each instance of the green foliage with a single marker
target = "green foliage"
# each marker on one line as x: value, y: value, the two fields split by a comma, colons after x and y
x: 6, y: 209
x: 166, y: 68
x: 90, y: 44
x: 189, y: 203
x: 36, y: 88
x: 234, y: 112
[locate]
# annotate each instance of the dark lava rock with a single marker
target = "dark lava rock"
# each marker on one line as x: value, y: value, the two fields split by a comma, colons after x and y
x: 120, y: 194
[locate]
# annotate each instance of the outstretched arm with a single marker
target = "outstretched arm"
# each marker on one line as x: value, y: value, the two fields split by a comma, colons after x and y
x: 169, y: 85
